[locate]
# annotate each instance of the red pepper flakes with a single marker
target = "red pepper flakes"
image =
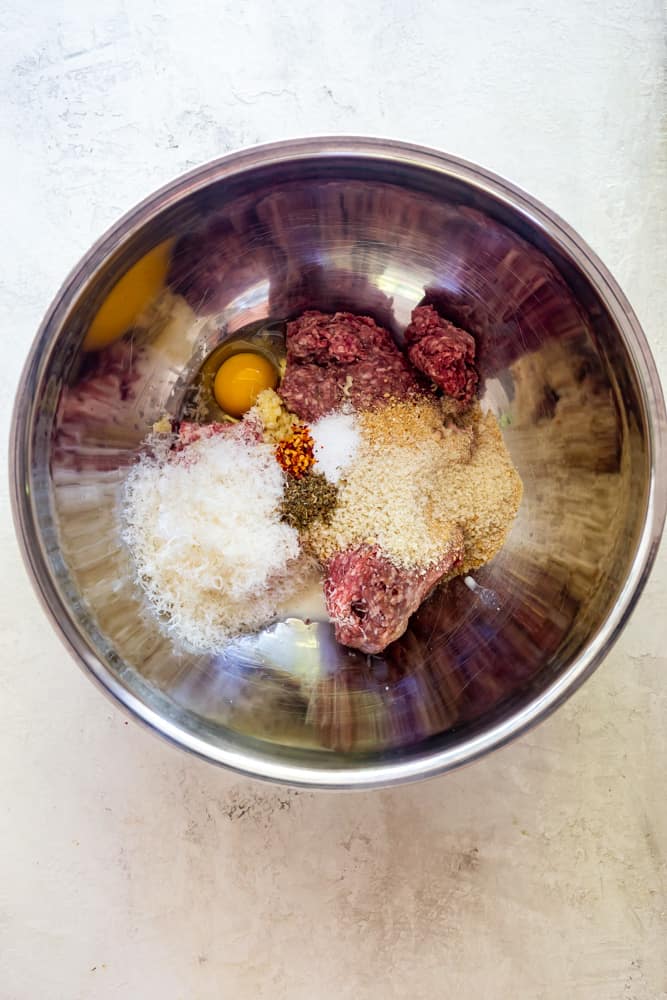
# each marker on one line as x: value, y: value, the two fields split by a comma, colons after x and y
x: 295, y: 453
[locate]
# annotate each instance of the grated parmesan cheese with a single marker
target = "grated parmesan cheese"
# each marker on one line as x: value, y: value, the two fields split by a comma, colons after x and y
x: 204, y: 528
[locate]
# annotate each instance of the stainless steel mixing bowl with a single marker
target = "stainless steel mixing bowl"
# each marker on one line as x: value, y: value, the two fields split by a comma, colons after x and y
x: 375, y: 227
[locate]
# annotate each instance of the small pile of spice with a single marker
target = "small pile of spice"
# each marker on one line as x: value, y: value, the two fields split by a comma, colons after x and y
x: 295, y: 453
x: 336, y: 438
x: 310, y: 498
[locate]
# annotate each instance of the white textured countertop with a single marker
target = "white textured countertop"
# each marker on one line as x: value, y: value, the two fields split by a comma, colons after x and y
x: 130, y: 870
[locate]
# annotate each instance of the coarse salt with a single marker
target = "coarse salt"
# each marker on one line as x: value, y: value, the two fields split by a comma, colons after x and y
x: 336, y: 438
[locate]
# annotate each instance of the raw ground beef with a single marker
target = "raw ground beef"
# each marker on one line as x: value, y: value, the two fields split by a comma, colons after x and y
x: 370, y: 600
x: 248, y: 430
x: 189, y: 432
x: 334, y: 357
x: 444, y: 352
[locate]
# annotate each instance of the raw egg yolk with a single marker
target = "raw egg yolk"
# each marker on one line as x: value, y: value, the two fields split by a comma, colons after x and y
x: 129, y: 297
x: 239, y: 381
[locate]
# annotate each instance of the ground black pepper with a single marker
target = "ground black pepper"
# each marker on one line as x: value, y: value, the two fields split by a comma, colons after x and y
x: 309, y: 498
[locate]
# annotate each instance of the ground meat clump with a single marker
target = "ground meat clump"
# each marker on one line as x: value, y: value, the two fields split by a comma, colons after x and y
x: 370, y: 600
x: 247, y: 431
x: 426, y: 497
x: 444, y: 352
x: 336, y: 358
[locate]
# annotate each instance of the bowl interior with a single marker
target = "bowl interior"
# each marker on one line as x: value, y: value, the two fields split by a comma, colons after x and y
x: 377, y: 236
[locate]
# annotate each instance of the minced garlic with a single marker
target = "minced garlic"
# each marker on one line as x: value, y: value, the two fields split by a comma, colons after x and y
x: 277, y: 421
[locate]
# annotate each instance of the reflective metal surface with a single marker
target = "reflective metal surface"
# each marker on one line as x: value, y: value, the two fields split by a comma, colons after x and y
x: 377, y: 228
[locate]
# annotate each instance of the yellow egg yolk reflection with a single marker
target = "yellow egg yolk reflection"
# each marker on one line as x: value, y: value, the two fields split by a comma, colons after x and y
x: 239, y: 381
x: 129, y: 297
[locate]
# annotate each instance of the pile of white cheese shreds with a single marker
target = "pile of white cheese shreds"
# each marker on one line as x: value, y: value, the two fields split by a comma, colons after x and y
x: 204, y: 528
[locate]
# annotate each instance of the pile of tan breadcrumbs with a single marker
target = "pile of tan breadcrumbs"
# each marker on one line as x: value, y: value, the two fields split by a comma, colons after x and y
x: 418, y: 477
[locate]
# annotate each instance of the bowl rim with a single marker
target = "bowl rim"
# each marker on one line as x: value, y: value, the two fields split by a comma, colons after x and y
x: 391, y: 772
